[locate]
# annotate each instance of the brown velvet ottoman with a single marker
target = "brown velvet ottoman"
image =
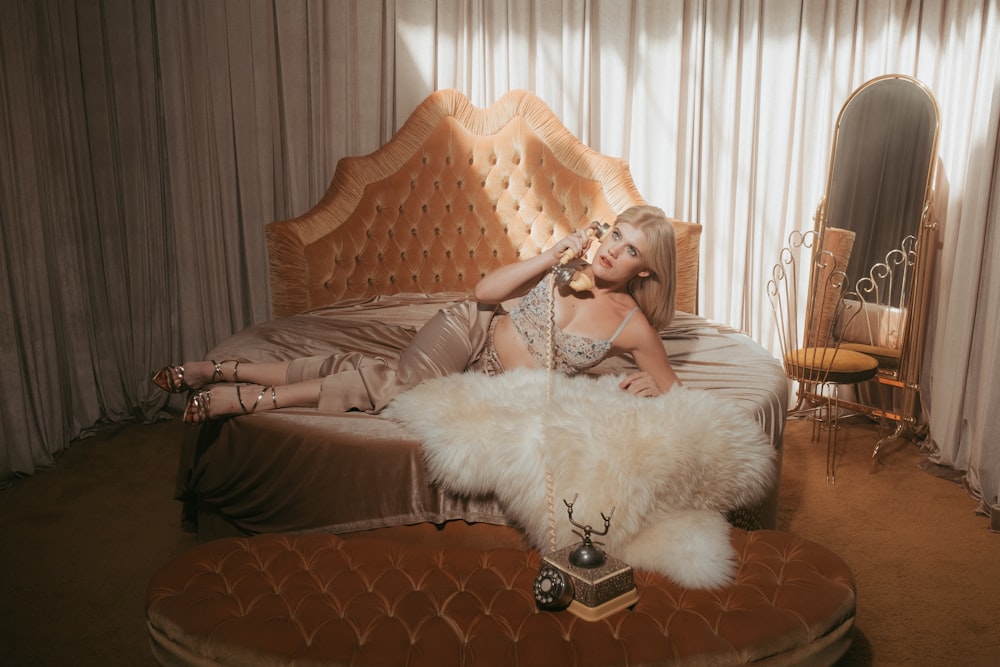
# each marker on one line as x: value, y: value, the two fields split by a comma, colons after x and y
x: 318, y: 599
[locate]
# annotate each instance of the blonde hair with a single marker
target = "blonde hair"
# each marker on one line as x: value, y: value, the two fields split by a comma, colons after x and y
x: 656, y: 293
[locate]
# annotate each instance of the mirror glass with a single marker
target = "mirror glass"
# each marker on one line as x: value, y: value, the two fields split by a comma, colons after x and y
x: 884, y: 148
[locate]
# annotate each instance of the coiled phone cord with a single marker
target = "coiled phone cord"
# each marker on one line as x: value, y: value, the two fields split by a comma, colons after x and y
x: 549, y: 368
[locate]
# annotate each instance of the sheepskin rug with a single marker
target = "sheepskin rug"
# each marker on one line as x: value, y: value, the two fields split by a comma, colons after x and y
x: 669, y: 466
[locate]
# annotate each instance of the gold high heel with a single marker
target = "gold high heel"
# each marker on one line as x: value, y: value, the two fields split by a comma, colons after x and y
x: 197, y: 409
x: 171, y: 378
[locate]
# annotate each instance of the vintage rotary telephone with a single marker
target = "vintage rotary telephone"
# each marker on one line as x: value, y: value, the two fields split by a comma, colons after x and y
x: 567, y: 275
x: 582, y: 578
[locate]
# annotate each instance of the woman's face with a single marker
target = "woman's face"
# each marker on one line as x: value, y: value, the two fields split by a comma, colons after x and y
x: 622, y: 254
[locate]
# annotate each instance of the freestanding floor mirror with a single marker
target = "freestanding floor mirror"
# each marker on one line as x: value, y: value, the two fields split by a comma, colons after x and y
x: 881, y: 187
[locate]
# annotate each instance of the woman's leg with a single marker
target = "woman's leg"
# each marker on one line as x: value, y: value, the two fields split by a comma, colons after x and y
x: 447, y: 344
x: 197, y: 374
x: 221, y: 400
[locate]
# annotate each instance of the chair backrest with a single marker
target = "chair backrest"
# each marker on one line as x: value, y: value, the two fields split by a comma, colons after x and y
x: 875, y: 321
x: 807, y: 320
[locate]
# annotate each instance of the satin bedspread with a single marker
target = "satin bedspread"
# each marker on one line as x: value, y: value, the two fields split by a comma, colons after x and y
x: 298, y: 469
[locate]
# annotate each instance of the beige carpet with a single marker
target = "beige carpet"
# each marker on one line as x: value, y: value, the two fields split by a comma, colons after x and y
x: 926, y: 566
x: 80, y: 542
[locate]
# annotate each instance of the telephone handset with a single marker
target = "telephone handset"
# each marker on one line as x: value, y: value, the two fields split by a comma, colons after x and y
x: 567, y: 275
x: 583, y: 578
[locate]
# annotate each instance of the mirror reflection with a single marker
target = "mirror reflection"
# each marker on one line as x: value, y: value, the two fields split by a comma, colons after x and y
x: 884, y: 150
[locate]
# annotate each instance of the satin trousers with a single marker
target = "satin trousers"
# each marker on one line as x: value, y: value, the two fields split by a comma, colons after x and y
x: 457, y: 338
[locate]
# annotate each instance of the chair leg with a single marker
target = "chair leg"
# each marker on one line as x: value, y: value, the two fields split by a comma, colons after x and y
x: 833, y: 426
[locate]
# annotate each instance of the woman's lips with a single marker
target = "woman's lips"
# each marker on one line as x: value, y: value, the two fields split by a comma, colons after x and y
x: 604, y: 262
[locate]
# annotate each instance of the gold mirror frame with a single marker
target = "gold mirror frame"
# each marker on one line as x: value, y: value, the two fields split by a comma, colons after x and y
x: 882, y: 171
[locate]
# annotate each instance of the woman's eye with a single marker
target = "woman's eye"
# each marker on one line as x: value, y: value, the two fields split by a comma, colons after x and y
x: 615, y: 234
x: 633, y: 252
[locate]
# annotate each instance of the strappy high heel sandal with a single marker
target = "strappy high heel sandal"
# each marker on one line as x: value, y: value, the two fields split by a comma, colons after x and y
x: 197, y: 410
x: 171, y: 378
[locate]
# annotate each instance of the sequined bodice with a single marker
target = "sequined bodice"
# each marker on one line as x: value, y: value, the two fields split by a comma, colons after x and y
x: 573, y: 353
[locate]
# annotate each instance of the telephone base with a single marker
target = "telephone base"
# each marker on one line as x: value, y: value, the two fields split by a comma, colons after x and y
x: 597, y: 591
x: 612, y: 606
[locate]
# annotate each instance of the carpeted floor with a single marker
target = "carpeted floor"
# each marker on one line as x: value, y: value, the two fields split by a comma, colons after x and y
x: 81, y: 541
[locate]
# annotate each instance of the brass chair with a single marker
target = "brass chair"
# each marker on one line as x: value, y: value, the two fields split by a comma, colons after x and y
x: 811, y: 354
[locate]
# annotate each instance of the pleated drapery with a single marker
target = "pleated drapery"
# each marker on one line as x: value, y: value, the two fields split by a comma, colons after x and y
x: 147, y: 142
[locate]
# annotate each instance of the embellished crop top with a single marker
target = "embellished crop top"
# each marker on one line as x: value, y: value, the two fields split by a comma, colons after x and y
x: 573, y: 353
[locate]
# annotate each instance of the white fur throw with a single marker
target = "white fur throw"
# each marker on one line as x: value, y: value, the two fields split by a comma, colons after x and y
x: 669, y: 466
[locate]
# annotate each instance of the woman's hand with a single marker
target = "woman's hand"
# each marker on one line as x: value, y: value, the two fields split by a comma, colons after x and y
x: 641, y: 384
x: 573, y: 246
x: 516, y: 279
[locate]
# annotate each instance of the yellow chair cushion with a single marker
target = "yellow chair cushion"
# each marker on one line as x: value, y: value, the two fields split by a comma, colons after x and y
x: 828, y: 364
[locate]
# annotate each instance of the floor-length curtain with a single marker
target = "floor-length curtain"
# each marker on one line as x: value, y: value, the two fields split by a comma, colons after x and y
x: 147, y: 142
x: 83, y: 239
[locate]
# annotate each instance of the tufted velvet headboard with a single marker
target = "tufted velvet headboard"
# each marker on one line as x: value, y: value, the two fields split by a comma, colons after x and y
x: 456, y: 192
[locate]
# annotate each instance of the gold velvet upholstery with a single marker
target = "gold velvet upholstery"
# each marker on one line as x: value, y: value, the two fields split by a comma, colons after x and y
x: 457, y: 192
x: 322, y: 600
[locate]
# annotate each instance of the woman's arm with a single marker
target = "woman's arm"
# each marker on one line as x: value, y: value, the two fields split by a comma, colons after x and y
x: 655, y: 376
x: 516, y: 279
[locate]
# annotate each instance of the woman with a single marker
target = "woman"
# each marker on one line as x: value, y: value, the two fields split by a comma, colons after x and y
x: 633, y: 271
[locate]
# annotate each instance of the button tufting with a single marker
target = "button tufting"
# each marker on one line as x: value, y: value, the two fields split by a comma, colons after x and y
x: 460, y: 602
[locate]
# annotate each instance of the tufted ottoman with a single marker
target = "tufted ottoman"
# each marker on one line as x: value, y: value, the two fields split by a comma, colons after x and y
x: 322, y: 600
